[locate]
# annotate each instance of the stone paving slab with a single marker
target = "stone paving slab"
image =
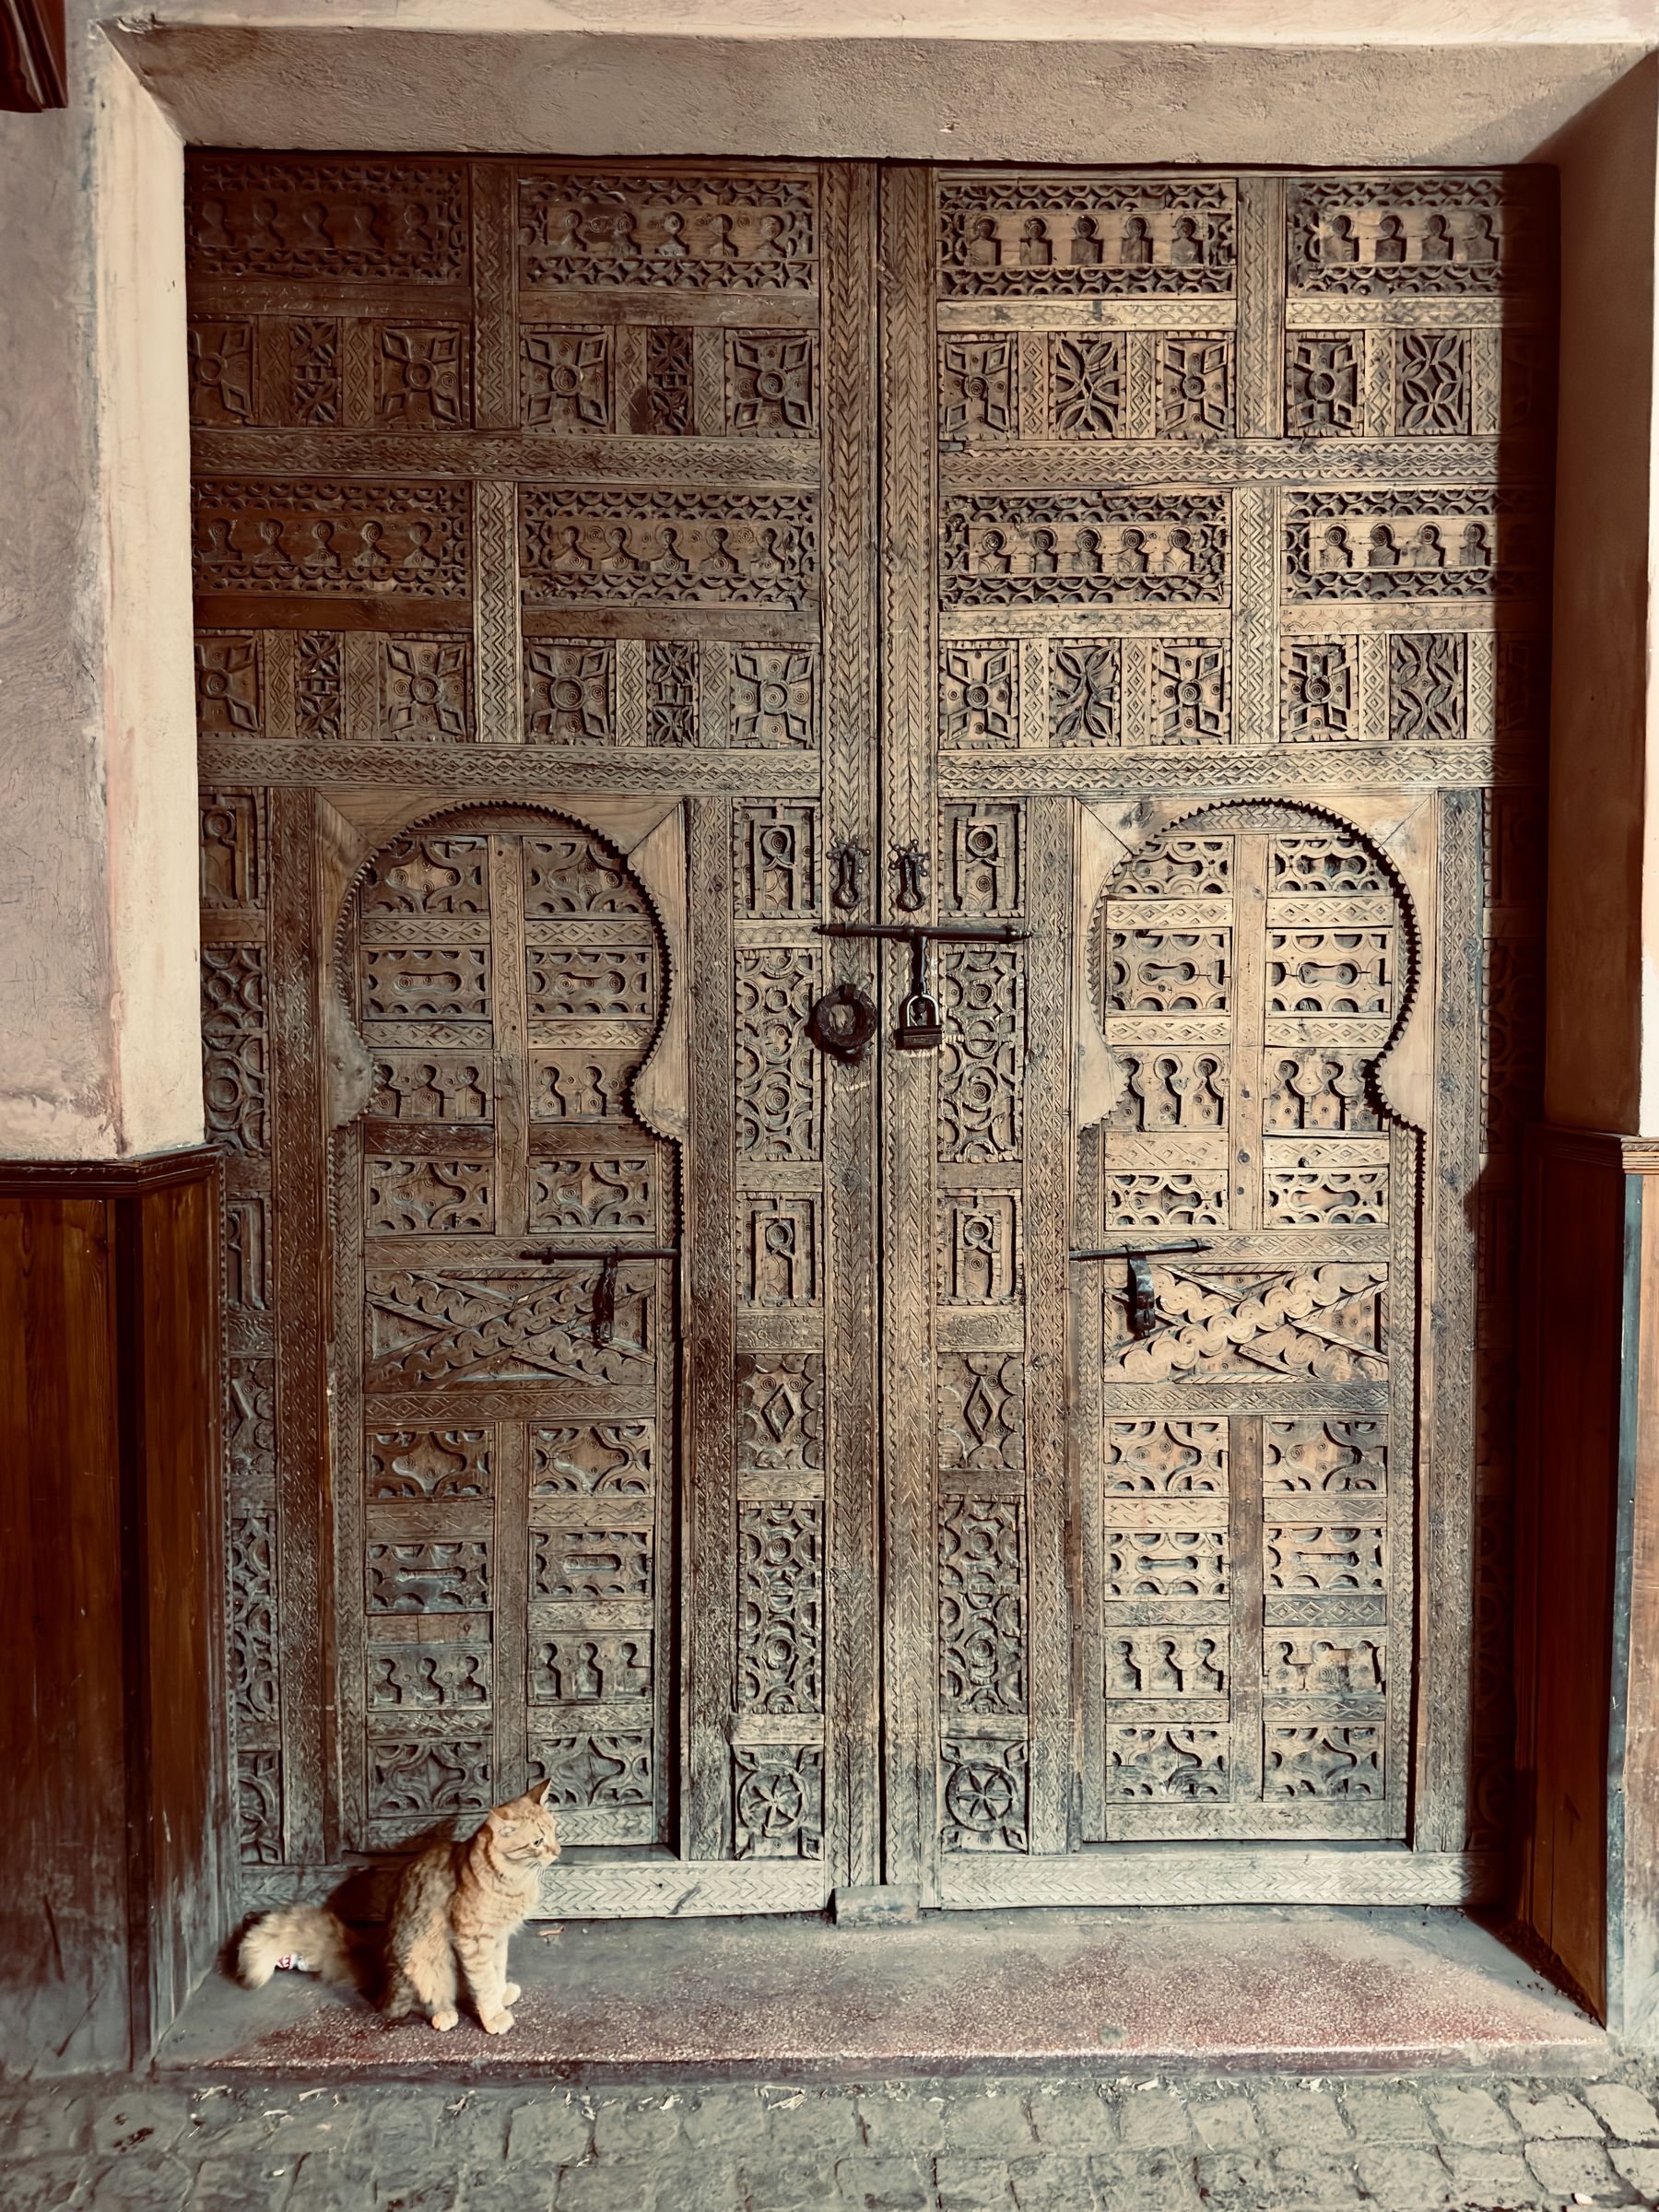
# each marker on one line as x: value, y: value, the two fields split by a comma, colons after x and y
x: 1088, y: 2142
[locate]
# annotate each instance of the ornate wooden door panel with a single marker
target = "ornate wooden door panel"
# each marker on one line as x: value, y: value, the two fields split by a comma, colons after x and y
x: 1214, y: 626
x: 514, y: 1394
x: 533, y: 487
x: 549, y: 518
x: 1246, y: 1507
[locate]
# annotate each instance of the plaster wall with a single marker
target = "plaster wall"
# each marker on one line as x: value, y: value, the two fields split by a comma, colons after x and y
x: 56, y: 1074
x: 98, y: 942
x: 1177, y: 89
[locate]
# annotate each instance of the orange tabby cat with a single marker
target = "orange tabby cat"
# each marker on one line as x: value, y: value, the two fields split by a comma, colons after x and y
x: 456, y: 1904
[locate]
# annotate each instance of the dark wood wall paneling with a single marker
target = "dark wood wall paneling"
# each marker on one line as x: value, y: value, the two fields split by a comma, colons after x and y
x: 33, y: 66
x: 1587, y: 1598
x: 112, y: 1899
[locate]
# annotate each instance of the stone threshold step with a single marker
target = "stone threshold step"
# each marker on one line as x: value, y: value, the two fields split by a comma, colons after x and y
x: 1302, y: 1989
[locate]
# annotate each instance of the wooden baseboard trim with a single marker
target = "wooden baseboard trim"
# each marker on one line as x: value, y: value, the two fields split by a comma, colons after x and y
x: 1595, y: 1147
x: 106, y: 1178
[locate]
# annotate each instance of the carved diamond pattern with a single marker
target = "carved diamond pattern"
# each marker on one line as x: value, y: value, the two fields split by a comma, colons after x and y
x: 564, y: 379
x: 1324, y: 397
x: 976, y: 385
x: 1433, y: 396
x: 1087, y: 379
x: 1317, y: 688
x: 569, y: 693
x: 769, y: 384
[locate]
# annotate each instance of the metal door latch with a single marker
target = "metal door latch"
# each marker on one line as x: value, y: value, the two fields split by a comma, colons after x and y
x: 1143, y: 1300
x: 604, y: 1322
x: 921, y: 1025
x: 846, y: 888
x: 912, y: 863
x: 842, y: 1022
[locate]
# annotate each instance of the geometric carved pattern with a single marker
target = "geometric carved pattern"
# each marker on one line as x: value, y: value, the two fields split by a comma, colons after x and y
x: 440, y: 1464
x: 780, y: 1630
x: 1182, y: 1763
x: 235, y: 1046
x: 324, y: 215
x: 259, y: 1805
x: 1157, y: 1458
x: 253, y: 1600
x: 777, y: 1069
x: 605, y: 1457
x: 427, y: 1778
x: 673, y: 549
x: 1325, y: 388
x: 1426, y: 677
x: 425, y: 1330
x: 985, y: 1793
x: 308, y: 536
x: 719, y: 232
x: 1007, y: 549
x: 1432, y: 395
x: 1085, y: 235
x: 982, y: 996
x: 780, y: 1414
x: 982, y: 1420
x: 779, y: 1801
x: 1410, y: 235
x: 1318, y: 688
x: 584, y: 1771
x: 982, y: 1606
x: 568, y: 693
x: 1325, y: 1762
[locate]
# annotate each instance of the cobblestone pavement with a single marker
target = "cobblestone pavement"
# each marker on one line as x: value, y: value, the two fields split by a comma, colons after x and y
x: 1124, y: 2144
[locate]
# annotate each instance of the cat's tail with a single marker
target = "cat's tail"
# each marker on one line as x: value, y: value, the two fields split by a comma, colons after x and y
x: 307, y: 1937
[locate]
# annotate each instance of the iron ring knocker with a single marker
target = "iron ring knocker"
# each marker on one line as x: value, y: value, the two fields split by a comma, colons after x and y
x: 842, y: 1022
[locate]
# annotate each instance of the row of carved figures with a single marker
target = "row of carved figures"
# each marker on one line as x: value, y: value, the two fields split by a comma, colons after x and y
x: 1136, y: 248
x: 609, y: 233
x: 734, y: 554
x: 326, y: 550
x: 1339, y: 239
x: 353, y: 227
x: 1009, y: 551
x: 1426, y: 547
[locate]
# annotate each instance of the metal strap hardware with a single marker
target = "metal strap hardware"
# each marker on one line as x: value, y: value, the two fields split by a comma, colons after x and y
x: 921, y: 1025
x: 604, y: 1322
x: 1143, y: 1302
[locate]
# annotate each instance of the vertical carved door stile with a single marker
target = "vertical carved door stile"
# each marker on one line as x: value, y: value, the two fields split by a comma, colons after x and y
x: 850, y: 446
x: 708, y: 1593
x: 296, y: 1443
x: 909, y: 508
x: 1457, y: 1221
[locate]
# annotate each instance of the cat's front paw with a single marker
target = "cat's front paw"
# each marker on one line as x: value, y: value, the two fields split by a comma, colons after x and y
x: 496, y: 2023
x: 445, y: 2021
x: 511, y: 1994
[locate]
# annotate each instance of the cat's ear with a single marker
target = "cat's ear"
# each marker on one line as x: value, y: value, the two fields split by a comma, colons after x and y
x: 539, y: 1797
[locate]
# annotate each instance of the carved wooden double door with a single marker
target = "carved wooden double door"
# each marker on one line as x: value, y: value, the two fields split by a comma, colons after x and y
x: 1039, y: 1455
